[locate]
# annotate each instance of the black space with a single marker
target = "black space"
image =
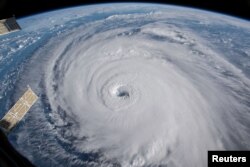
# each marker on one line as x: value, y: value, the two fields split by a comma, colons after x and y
x: 21, y: 8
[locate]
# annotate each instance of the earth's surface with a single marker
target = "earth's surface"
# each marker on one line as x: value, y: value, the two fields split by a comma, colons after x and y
x: 128, y: 85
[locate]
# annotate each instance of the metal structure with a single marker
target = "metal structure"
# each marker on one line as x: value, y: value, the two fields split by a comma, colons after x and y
x: 8, y: 25
x: 17, y: 112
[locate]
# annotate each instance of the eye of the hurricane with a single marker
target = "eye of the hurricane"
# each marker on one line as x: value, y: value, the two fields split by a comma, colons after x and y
x: 122, y: 92
x: 119, y: 96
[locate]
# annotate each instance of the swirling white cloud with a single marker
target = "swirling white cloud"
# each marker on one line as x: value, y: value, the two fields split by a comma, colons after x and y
x: 132, y: 90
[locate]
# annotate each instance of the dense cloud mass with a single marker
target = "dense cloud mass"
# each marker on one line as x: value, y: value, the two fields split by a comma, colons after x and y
x: 134, y: 86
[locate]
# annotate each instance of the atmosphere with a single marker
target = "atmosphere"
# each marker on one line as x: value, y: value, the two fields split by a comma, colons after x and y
x: 20, y: 8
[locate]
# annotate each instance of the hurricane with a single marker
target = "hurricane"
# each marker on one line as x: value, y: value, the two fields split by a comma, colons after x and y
x: 132, y: 89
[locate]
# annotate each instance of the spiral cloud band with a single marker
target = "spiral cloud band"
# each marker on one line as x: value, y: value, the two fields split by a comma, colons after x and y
x: 134, y: 89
